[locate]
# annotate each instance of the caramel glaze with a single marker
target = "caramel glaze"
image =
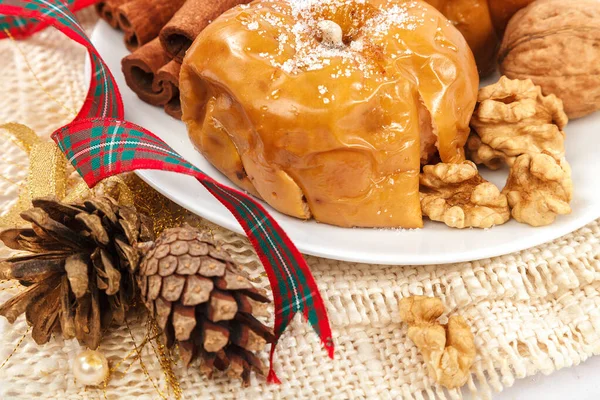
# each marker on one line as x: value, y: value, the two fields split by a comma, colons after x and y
x: 334, y: 134
x: 474, y: 20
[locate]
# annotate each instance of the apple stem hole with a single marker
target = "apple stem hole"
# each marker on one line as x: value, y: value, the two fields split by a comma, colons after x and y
x: 331, y: 34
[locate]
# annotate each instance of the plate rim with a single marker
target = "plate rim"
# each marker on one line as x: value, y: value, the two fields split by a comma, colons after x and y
x: 359, y: 257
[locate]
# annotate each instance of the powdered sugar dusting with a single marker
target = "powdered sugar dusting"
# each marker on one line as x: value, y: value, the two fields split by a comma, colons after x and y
x: 299, y: 48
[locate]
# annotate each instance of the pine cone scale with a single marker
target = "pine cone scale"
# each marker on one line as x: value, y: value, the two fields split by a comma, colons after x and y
x: 248, y: 339
x: 93, y: 223
x: 43, y: 314
x: 184, y: 321
x: 256, y: 326
x: 172, y: 286
x: 128, y: 253
x: 198, y: 249
x: 104, y: 206
x: 197, y: 290
x: 167, y: 265
x: 215, y: 336
x: 233, y: 282
x: 154, y: 286
x: 209, y: 267
x: 107, y: 273
x: 31, y: 268
x: 222, y: 306
x: 162, y: 309
x: 131, y: 224
x: 187, y: 265
x: 18, y: 304
x: 67, y: 313
x: 76, y: 267
x: 22, y: 239
x: 57, y: 231
x: 149, y: 268
x: 187, y: 352
x: 255, y: 294
x: 87, y: 319
x: 60, y: 212
x: 179, y: 248
x: 161, y: 251
x: 118, y: 307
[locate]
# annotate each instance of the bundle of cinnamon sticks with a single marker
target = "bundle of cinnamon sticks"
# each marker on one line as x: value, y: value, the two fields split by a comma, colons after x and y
x: 158, y: 33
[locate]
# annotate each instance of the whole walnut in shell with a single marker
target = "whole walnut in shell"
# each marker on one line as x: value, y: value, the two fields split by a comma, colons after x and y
x: 556, y: 43
x: 539, y: 188
x: 512, y: 118
x: 458, y: 196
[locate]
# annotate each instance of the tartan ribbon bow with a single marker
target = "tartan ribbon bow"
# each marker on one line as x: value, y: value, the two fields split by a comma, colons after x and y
x: 100, y: 143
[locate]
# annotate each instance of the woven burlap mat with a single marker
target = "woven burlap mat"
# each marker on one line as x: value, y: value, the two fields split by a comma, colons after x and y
x: 531, y: 312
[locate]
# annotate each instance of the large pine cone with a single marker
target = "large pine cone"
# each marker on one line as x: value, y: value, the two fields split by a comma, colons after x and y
x: 204, y: 303
x: 81, y: 273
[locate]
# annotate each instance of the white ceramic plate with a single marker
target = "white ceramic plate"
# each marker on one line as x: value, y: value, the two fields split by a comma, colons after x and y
x: 435, y: 244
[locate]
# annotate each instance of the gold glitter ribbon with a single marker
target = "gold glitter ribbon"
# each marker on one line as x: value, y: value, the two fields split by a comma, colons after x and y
x: 22, y: 135
x: 47, y: 175
x: 47, y: 171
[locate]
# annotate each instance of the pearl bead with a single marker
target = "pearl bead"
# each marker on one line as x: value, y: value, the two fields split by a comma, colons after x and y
x: 90, y: 368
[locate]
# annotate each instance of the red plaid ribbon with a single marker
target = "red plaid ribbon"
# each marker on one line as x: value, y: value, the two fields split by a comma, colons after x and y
x: 100, y: 143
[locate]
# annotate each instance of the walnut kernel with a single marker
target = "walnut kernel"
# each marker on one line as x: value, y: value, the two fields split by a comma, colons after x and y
x: 512, y: 118
x: 448, y: 350
x: 458, y: 196
x: 539, y: 188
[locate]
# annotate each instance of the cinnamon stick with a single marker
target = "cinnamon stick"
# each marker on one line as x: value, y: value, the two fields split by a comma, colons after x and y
x: 107, y: 10
x: 154, y: 77
x: 142, y: 20
x: 191, y: 19
x: 167, y: 78
x: 140, y: 69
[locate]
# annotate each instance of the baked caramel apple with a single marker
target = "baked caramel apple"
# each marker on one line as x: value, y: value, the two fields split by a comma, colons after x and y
x: 326, y: 108
x: 482, y: 23
x: 503, y: 10
x: 474, y: 20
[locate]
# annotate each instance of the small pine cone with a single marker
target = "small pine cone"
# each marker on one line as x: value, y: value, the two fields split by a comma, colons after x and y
x: 204, y: 303
x: 80, y: 270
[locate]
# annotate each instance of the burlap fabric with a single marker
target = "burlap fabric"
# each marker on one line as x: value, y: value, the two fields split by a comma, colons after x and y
x: 532, y: 312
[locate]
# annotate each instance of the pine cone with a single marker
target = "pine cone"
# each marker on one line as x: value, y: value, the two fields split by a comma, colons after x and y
x: 80, y: 276
x: 204, y: 303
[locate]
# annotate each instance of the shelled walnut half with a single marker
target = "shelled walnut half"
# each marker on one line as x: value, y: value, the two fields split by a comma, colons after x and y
x: 539, y: 188
x: 448, y: 350
x: 512, y: 118
x: 458, y: 196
